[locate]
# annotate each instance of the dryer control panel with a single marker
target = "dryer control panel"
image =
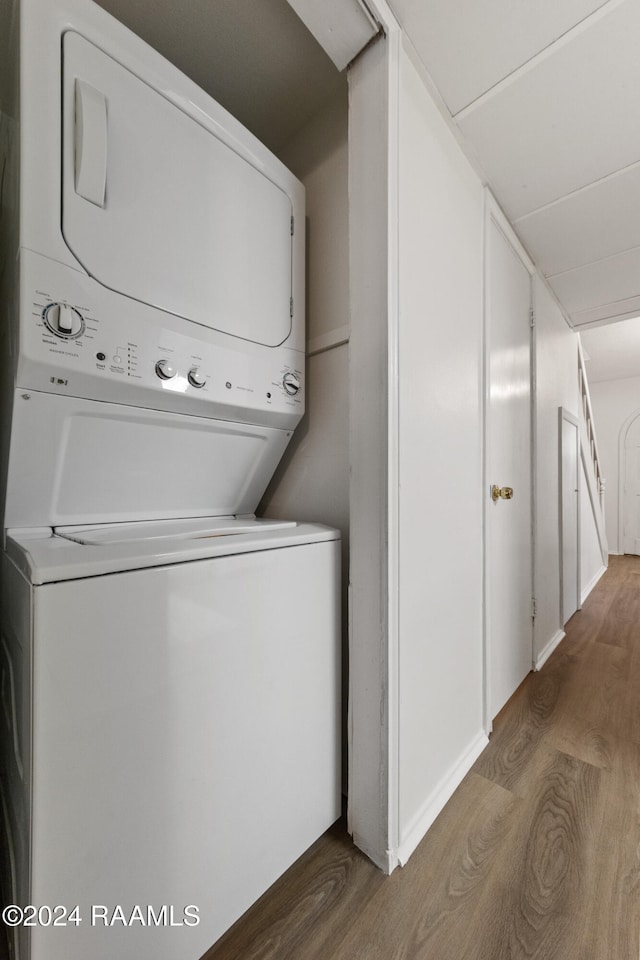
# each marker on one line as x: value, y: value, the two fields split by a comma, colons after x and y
x: 82, y: 340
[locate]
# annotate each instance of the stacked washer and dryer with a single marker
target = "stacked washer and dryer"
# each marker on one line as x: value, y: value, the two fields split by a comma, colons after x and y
x: 169, y: 663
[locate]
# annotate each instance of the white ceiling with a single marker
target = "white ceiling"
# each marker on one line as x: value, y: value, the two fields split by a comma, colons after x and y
x: 547, y: 95
x: 612, y: 352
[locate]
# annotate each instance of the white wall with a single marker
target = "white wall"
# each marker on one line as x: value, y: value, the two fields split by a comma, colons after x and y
x: 416, y: 439
x: 612, y: 402
x: 556, y: 377
x: 415, y: 372
x: 439, y: 460
x: 556, y: 361
x: 312, y: 481
x: 417, y: 485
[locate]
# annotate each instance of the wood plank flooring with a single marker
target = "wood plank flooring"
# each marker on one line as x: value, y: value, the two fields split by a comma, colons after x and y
x: 537, y: 854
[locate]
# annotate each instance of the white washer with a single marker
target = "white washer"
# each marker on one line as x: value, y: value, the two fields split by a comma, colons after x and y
x: 183, y: 736
x: 169, y: 671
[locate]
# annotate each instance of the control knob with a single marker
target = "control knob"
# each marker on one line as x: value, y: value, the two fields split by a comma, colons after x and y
x: 291, y: 383
x: 63, y: 321
x: 165, y: 369
x: 196, y: 377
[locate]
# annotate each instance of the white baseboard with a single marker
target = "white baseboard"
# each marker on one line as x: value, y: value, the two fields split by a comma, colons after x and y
x: 436, y: 801
x: 546, y: 652
x: 589, y: 587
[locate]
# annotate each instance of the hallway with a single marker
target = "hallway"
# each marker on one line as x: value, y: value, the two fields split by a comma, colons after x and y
x: 537, y: 854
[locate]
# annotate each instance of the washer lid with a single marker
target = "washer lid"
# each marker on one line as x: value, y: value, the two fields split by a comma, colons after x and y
x: 200, y: 528
x: 46, y: 558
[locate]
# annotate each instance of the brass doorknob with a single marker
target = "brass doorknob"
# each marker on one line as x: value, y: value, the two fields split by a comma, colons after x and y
x: 504, y: 493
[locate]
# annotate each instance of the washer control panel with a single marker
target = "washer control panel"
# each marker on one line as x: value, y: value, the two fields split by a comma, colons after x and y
x: 124, y: 351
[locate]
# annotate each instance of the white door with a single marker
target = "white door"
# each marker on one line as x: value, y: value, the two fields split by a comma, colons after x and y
x: 631, y: 507
x: 508, y: 431
x: 569, y: 507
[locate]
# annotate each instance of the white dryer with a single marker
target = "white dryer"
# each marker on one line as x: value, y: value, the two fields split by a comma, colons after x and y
x: 169, y: 663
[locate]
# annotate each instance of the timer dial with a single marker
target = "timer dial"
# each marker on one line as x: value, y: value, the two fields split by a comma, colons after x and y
x: 291, y: 384
x: 63, y: 320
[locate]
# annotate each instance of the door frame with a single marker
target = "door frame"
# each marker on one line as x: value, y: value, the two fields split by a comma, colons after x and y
x: 622, y: 471
x: 494, y: 216
x: 565, y: 415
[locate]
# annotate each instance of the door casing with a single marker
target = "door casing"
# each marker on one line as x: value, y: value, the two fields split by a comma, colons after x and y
x: 627, y: 541
x: 569, y: 493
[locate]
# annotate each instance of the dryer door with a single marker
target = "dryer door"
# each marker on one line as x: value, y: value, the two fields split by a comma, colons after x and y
x: 158, y: 208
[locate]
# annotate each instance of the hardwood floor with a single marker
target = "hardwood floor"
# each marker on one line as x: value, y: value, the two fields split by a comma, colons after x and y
x: 537, y: 854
